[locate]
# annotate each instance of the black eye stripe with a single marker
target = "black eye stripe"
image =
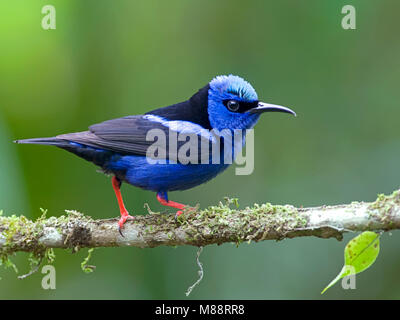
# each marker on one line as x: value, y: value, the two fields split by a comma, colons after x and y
x: 243, y: 105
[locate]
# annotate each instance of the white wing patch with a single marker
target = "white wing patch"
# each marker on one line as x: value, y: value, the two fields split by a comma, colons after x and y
x: 182, y: 126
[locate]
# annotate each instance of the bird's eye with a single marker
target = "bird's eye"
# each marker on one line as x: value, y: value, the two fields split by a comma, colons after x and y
x: 233, y: 105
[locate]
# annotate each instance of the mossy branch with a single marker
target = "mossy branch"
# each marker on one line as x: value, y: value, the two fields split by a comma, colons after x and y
x: 214, y: 225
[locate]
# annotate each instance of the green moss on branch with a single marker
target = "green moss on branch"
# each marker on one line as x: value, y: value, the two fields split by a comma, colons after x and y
x: 218, y: 224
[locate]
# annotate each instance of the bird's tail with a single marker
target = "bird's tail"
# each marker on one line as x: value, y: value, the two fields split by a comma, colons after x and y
x: 98, y: 157
x: 53, y: 141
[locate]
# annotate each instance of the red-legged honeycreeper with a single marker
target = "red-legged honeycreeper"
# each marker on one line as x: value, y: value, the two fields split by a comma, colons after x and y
x: 120, y: 146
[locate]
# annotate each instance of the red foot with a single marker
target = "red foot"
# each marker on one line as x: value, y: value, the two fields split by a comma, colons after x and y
x: 178, y: 213
x: 116, y: 183
x: 122, y: 221
x: 162, y: 198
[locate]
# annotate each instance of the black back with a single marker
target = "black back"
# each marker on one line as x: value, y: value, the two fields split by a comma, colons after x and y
x: 127, y: 135
x: 194, y: 110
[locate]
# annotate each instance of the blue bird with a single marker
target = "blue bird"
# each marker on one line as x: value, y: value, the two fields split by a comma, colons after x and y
x: 120, y: 146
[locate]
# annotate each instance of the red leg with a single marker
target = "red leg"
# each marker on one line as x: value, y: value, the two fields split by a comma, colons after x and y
x: 116, y: 183
x: 163, y: 199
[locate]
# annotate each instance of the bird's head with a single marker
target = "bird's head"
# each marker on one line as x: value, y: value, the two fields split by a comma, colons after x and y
x: 233, y: 104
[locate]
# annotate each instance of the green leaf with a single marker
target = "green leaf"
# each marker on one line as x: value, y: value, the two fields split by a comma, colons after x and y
x: 360, y: 253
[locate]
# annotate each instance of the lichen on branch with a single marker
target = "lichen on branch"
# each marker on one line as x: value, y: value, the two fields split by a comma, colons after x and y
x: 218, y: 224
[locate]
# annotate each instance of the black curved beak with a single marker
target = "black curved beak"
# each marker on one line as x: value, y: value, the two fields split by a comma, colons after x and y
x: 266, y: 107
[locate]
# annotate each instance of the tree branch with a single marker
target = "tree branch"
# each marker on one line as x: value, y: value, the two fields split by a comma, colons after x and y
x: 214, y: 225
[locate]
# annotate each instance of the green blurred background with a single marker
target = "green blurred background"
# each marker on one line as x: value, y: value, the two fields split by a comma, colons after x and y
x: 108, y: 59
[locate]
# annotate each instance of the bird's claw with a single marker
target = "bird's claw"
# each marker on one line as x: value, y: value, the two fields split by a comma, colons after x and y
x: 177, y: 214
x: 122, y: 221
x: 120, y: 232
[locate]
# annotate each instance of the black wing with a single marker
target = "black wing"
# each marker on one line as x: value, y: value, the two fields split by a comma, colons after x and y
x: 127, y: 136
